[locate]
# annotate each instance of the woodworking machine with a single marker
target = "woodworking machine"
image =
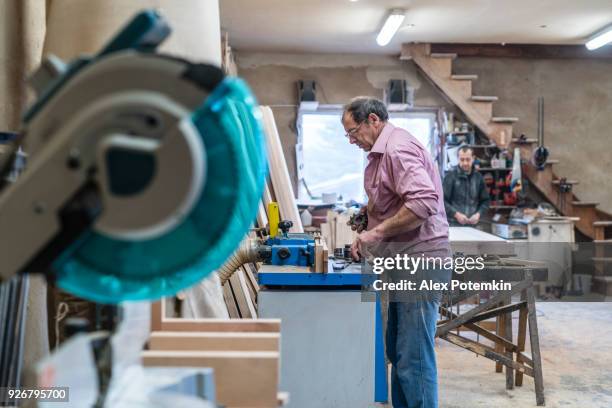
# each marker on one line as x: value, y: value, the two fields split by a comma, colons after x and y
x: 144, y: 171
x: 284, y: 248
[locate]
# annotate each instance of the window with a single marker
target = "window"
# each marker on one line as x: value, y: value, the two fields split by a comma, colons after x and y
x: 327, y: 163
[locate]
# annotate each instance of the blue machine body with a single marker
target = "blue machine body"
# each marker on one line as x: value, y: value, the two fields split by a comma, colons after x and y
x: 292, y: 249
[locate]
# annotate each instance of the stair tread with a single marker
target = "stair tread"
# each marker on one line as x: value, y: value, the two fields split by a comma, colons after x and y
x: 524, y: 141
x: 602, y: 259
x: 504, y: 119
x: 464, y: 77
x: 566, y: 181
x: 585, y: 203
x: 602, y: 223
x: 603, y: 278
x: 483, y: 98
x: 443, y: 55
x: 602, y: 241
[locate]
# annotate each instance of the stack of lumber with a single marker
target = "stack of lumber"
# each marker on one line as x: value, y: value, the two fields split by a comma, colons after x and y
x: 336, y: 231
x: 244, y: 354
x: 240, y: 292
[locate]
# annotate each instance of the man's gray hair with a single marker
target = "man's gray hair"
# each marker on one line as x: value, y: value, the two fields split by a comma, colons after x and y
x: 361, y: 107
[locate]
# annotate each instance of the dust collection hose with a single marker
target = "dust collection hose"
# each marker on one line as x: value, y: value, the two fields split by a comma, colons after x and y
x: 250, y: 250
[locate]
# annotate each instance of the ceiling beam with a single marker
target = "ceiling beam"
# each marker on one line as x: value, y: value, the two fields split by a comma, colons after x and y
x: 521, y: 50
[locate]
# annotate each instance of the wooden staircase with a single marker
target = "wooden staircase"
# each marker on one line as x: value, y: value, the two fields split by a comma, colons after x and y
x: 478, y: 109
x: 438, y: 68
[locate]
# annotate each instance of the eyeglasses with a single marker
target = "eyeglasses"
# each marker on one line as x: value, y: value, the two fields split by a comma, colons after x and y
x: 351, y: 132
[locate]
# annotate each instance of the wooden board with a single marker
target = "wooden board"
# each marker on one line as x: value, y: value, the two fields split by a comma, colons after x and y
x: 249, y: 296
x: 156, y: 316
x: 230, y: 302
x: 214, y: 341
x: 239, y: 325
x: 472, y: 241
x: 279, y: 173
x: 539, y: 51
x: 318, y: 248
x: 249, y: 286
x: 325, y: 256
x: 213, y: 325
x: 286, y: 269
x: 471, y: 234
x: 267, y: 195
x: 242, y: 378
x: 251, y: 270
x: 262, y: 216
x: 326, y: 234
x: 242, y: 297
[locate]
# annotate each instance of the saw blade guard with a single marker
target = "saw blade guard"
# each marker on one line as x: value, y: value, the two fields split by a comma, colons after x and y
x: 106, y: 269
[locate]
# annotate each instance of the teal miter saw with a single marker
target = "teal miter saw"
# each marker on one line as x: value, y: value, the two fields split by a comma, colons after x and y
x: 144, y: 171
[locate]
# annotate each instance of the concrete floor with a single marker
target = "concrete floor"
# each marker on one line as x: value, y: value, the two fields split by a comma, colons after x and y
x: 576, y: 345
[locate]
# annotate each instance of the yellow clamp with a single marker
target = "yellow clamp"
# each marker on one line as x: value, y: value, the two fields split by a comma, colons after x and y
x: 273, y: 218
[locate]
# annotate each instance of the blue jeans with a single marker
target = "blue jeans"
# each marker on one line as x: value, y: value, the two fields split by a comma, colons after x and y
x: 411, y: 329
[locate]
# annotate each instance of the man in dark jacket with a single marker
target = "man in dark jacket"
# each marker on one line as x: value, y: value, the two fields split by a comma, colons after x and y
x: 465, y: 196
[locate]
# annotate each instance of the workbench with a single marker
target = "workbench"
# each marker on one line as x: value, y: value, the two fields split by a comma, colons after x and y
x: 332, y: 349
x: 500, y: 305
x: 331, y: 341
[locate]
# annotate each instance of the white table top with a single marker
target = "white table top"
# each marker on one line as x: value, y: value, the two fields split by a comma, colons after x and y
x: 462, y: 234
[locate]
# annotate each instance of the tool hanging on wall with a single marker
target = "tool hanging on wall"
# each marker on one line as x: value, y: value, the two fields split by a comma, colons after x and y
x: 540, y: 155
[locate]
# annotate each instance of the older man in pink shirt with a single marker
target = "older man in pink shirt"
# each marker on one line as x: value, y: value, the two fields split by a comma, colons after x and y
x: 405, y: 209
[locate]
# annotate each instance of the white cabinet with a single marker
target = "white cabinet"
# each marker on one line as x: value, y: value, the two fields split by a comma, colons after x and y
x: 552, y: 241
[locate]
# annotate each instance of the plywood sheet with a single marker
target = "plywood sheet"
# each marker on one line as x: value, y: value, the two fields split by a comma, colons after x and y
x: 214, y: 341
x: 243, y: 378
x: 232, y: 325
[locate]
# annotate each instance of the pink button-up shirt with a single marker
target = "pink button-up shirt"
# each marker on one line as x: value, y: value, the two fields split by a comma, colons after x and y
x: 400, y: 171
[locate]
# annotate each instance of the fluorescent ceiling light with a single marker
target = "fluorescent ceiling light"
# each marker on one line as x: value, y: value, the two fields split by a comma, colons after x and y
x: 393, y: 23
x: 600, y: 39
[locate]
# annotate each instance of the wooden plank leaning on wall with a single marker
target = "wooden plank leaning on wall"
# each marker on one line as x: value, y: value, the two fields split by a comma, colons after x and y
x: 279, y: 173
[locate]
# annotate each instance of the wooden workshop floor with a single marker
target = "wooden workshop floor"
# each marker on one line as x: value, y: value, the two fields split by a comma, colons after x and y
x: 576, y: 343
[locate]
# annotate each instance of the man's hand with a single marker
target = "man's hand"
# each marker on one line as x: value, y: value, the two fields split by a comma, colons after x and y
x: 461, y: 218
x: 474, y: 219
x: 365, y: 238
x: 403, y: 221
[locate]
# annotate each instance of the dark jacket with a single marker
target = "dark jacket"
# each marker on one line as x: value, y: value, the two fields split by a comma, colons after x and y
x: 465, y: 193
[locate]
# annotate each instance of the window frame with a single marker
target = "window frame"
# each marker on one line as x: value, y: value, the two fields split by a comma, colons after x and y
x: 336, y: 110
